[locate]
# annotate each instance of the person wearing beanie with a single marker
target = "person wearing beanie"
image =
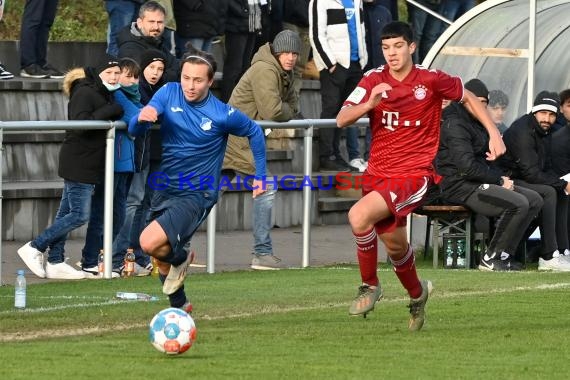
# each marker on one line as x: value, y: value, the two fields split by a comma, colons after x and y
x: 469, y: 179
x: 153, y: 64
x: 81, y: 165
x: 529, y: 159
x: 479, y: 89
x: 266, y: 91
x: 498, y: 103
x: 148, y: 152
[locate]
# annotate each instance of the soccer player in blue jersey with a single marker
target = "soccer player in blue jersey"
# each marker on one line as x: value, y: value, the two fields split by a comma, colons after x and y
x: 194, y: 128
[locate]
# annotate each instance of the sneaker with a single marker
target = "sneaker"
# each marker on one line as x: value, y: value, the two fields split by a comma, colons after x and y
x: 93, y: 273
x: 187, y: 307
x: 33, y: 259
x: 141, y: 271
x: 176, y: 275
x: 417, y: 307
x: 53, y: 72
x: 505, y: 263
x: 63, y: 271
x: 365, y: 300
x: 266, y: 262
x: 5, y: 74
x: 34, y: 71
x: 359, y: 164
x: 557, y: 263
x: 333, y: 166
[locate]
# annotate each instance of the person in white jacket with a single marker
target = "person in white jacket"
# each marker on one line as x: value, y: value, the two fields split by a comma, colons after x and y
x: 337, y: 35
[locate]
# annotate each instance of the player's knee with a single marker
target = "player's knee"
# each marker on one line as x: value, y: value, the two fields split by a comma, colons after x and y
x: 147, y: 244
x: 357, y: 219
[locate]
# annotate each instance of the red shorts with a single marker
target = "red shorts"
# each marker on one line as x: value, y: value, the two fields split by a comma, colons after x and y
x: 402, y: 195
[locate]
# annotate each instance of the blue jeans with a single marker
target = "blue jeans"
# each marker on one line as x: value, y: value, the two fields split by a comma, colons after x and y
x: 74, y: 210
x: 37, y: 20
x: 451, y: 10
x: 261, y: 220
x: 418, y: 19
x: 352, y: 145
x: 121, y: 14
x: 204, y: 44
x: 94, y: 236
x: 128, y: 236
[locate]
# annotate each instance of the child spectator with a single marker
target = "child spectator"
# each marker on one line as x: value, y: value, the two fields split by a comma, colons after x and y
x: 81, y: 165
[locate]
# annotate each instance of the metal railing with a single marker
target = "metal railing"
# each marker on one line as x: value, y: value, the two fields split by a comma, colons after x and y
x: 307, y: 125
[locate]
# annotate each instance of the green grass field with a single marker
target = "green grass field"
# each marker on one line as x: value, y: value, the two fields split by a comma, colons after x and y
x: 294, y: 324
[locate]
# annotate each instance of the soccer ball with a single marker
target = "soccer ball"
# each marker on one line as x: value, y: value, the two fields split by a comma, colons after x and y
x: 172, y: 331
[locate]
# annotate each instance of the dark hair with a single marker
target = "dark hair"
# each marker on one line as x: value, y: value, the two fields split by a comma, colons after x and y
x: 131, y: 66
x: 195, y: 56
x: 498, y: 97
x: 151, y: 6
x: 397, y: 29
x: 564, y: 96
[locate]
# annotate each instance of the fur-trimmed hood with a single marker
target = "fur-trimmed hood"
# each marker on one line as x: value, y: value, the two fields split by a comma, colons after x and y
x: 71, y: 76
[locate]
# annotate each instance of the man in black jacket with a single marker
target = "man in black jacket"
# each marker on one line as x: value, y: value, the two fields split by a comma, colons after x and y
x: 147, y: 33
x: 470, y: 180
x: 529, y: 160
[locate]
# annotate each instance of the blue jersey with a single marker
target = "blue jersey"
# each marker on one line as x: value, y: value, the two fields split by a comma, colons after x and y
x: 194, y: 138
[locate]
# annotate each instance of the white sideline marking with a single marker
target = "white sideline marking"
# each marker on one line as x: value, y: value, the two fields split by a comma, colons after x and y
x: 32, y: 335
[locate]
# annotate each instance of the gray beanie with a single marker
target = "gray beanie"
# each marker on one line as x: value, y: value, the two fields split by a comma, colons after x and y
x: 286, y: 41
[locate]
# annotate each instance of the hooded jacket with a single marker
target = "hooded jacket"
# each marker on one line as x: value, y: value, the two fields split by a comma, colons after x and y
x: 264, y: 92
x: 461, y: 158
x: 82, y: 153
x: 200, y: 18
x: 529, y: 155
x: 132, y: 44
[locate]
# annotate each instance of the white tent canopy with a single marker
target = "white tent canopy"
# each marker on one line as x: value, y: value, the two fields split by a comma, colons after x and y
x: 491, y: 42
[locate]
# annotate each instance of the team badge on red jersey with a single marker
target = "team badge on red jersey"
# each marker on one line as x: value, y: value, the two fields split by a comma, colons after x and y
x: 420, y: 92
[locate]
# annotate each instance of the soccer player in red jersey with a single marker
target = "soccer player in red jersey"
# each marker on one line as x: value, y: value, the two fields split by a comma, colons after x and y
x: 403, y: 102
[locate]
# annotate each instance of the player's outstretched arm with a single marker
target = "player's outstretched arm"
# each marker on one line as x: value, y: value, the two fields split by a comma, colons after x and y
x: 496, y: 145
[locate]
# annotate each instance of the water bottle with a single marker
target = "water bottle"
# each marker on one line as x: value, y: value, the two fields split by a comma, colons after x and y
x: 135, y: 296
x: 154, y: 272
x: 129, y: 269
x: 461, y: 253
x: 101, y: 263
x: 449, y: 253
x: 20, y: 291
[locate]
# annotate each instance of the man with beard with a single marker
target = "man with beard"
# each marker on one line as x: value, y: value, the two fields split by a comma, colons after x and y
x: 529, y: 162
x: 147, y: 33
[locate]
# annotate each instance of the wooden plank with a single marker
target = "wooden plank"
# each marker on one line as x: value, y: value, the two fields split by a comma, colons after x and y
x: 485, y: 52
x: 442, y: 208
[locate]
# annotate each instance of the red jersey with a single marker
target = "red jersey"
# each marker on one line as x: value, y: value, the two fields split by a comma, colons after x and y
x: 405, y: 126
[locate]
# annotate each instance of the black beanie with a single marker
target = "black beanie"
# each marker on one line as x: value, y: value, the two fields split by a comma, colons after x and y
x: 105, y: 62
x: 151, y: 55
x: 546, y: 101
x: 286, y: 41
x: 478, y: 88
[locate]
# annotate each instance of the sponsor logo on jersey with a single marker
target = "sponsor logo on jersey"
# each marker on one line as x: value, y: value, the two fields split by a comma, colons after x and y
x: 176, y: 109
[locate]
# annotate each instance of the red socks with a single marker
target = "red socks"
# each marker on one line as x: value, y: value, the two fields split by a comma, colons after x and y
x: 405, y: 269
x: 367, y: 252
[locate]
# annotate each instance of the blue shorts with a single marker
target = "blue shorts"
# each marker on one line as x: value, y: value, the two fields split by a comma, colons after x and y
x: 180, y: 217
